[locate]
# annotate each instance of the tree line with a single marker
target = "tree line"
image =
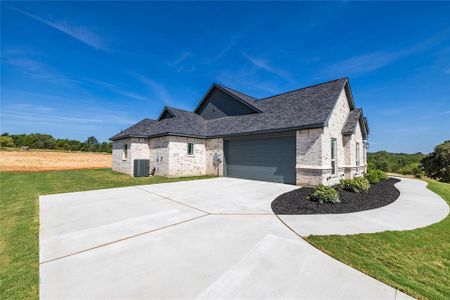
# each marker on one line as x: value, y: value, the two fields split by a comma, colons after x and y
x: 434, y: 165
x: 47, y: 141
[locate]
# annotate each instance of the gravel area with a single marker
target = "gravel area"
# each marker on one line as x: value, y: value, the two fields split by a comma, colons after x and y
x: 295, y: 202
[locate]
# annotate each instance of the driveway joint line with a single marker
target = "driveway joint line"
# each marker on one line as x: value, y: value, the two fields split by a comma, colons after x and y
x: 123, y: 239
x: 170, y: 199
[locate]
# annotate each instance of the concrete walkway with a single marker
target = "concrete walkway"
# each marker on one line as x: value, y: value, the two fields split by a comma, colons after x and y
x: 416, y: 207
x: 207, y: 239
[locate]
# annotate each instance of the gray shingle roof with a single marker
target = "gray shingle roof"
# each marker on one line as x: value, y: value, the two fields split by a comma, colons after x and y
x: 352, y: 119
x: 308, y: 107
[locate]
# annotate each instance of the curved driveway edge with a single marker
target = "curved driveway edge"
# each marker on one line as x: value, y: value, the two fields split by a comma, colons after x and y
x: 416, y: 207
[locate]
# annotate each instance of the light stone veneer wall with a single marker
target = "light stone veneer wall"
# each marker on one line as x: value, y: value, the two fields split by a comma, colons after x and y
x: 314, y: 150
x: 159, y: 156
x: 168, y: 156
x: 138, y: 148
x: 214, y: 157
x: 182, y: 164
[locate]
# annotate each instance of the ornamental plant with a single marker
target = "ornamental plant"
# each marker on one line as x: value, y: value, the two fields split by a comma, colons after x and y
x: 356, y: 185
x: 324, y: 194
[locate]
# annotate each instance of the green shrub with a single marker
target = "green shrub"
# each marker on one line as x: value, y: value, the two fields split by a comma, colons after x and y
x: 357, y: 185
x: 323, y: 193
x: 418, y: 172
x: 6, y: 141
x: 372, y: 177
x: 375, y: 176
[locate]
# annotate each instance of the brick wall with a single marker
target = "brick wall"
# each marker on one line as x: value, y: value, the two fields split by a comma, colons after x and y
x: 182, y: 164
x: 138, y: 148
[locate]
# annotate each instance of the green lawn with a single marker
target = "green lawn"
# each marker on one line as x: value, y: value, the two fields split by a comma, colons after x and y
x: 416, y: 262
x: 19, y: 219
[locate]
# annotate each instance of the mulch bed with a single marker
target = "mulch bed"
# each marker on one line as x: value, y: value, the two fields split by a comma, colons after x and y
x: 296, y: 203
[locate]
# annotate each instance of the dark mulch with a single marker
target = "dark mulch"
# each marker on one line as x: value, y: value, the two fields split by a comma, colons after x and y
x: 295, y: 202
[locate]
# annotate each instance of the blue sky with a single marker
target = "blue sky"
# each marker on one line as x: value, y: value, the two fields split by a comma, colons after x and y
x: 75, y: 69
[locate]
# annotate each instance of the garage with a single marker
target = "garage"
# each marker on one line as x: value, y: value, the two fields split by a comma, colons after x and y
x: 261, y: 158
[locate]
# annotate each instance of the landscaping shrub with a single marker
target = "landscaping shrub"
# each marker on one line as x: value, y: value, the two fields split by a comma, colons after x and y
x: 323, y: 193
x: 375, y: 176
x: 357, y: 185
x: 372, y: 177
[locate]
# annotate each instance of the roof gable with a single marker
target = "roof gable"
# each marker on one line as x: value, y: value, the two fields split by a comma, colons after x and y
x: 166, y: 113
x: 220, y: 101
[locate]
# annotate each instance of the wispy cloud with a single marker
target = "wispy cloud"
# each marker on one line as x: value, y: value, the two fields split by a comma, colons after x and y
x: 247, y: 80
x: 62, y: 118
x: 116, y: 89
x: 363, y: 63
x: 367, y: 62
x: 79, y: 33
x: 266, y: 66
x: 35, y: 69
x: 158, y: 90
x: 188, y: 61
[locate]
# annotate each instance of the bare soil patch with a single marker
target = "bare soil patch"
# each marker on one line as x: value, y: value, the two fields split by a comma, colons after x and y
x: 34, y: 161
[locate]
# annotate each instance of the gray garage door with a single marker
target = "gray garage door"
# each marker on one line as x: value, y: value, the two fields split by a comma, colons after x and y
x: 268, y: 159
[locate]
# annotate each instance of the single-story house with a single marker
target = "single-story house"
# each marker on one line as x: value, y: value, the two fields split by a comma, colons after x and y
x: 307, y: 136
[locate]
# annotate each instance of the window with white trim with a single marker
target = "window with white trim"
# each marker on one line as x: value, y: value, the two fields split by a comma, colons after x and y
x: 357, y: 154
x: 333, y: 156
x: 190, y: 149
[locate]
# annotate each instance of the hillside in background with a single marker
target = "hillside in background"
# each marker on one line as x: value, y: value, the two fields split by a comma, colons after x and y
x: 402, y: 163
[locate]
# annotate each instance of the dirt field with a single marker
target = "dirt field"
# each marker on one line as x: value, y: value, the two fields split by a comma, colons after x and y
x: 52, y: 160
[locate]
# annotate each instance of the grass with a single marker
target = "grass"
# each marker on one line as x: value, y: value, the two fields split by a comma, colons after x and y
x: 19, y: 219
x: 416, y: 262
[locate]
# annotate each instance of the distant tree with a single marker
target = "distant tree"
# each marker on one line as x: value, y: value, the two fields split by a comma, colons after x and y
x: 46, y: 141
x: 91, y: 144
x: 437, y: 164
x: 394, y: 162
x: 7, y: 141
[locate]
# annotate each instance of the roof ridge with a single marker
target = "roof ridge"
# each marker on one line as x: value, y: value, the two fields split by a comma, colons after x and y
x: 303, y: 88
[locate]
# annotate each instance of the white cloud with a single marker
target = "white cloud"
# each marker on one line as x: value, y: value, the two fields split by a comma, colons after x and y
x: 79, y: 33
x: 266, y: 66
x: 159, y: 91
x: 367, y: 62
x: 116, y: 89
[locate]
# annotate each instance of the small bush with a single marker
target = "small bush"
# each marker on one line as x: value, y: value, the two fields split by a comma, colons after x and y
x: 375, y: 176
x: 323, y: 193
x: 418, y: 172
x: 356, y: 185
x: 372, y: 177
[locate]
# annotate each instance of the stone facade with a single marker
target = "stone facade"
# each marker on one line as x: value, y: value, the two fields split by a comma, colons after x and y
x: 159, y: 156
x: 182, y: 164
x: 214, y: 157
x: 138, y: 148
x: 169, y: 157
x: 314, y: 150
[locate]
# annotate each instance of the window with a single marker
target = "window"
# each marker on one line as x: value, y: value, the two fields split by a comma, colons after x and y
x: 190, y: 149
x: 333, y: 156
x: 125, y: 151
x: 357, y: 154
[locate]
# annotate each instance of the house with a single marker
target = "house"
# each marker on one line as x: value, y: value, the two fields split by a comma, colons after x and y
x: 307, y: 136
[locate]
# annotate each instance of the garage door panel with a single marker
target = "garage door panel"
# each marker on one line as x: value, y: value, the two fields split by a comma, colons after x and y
x: 269, y: 159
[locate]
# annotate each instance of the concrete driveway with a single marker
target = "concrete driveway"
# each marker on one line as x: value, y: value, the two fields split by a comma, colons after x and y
x: 214, y: 238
